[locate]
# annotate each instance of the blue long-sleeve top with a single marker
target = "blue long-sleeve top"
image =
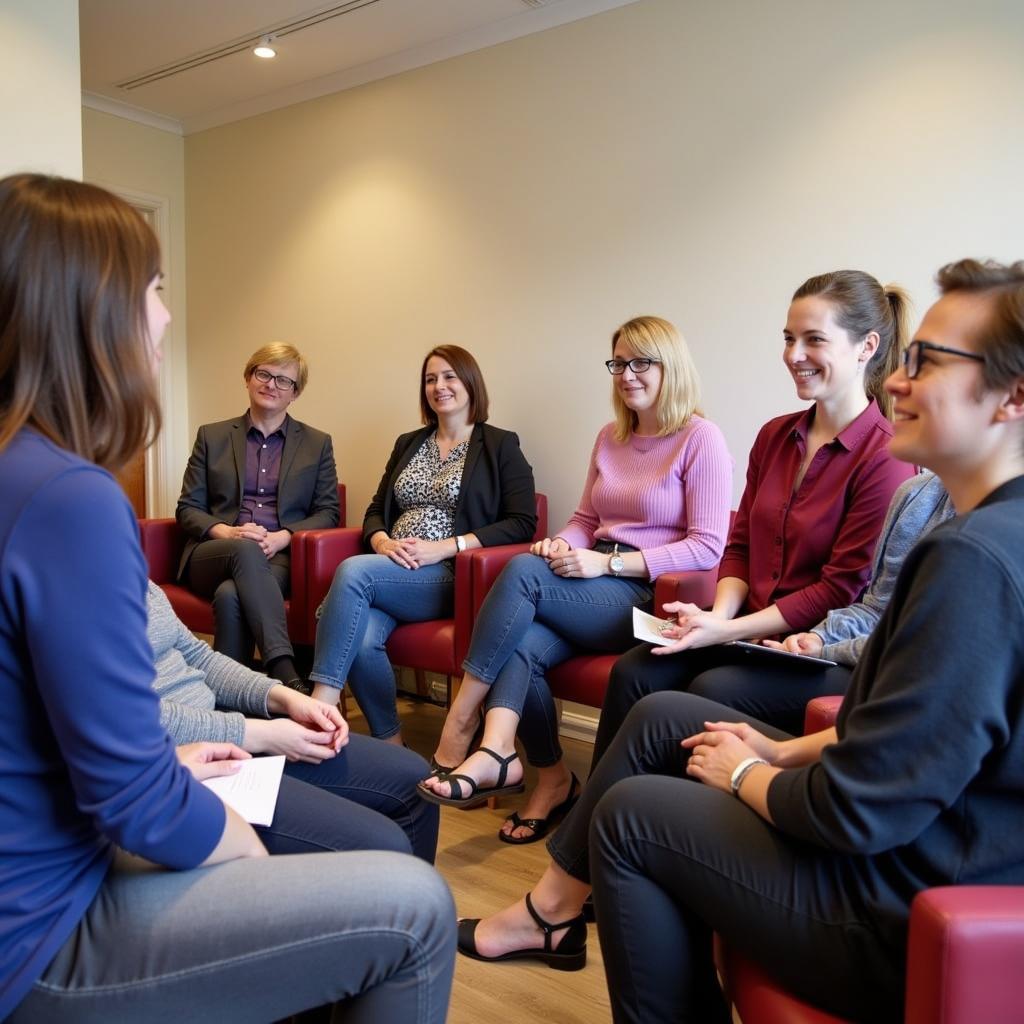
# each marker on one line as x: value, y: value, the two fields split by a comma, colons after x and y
x: 85, y: 764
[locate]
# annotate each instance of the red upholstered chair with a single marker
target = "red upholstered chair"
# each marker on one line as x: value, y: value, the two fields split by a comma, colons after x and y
x: 965, y: 952
x: 162, y: 543
x: 438, y: 645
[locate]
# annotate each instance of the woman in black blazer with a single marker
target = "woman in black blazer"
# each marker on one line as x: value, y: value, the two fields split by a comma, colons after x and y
x: 456, y: 483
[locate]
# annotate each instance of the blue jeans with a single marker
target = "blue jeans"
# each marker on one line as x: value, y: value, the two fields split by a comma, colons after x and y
x: 369, y: 596
x: 256, y: 940
x: 363, y: 799
x: 532, y: 620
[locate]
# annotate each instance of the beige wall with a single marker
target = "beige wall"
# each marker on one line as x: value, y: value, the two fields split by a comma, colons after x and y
x: 40, y: 88
x: 136, y: 160
x: 694, y: 160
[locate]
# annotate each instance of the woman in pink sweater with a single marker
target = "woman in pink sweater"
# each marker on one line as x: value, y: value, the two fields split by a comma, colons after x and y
x: 656, y: 499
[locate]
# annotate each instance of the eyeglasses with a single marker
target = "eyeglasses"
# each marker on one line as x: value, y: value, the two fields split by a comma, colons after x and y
x: 617, y: 366
x: 912, y: 356
x: 281, y: 383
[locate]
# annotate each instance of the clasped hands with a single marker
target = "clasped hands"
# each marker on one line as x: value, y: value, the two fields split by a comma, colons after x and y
x: 270, y: 541
x: 715, y: 753
x: 311, y: 731
x: 566, y: 561
x: 412, y: 552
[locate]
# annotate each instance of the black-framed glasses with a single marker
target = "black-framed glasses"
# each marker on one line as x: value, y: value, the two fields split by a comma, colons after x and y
x: 281, y: 382
x: 912, y: 355
x: 617, y: 366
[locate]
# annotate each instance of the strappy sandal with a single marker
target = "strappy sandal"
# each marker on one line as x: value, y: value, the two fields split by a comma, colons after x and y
x: 541, y: 826
x: 476, y: 794
x: 442, y: 771
x: 571, y: 954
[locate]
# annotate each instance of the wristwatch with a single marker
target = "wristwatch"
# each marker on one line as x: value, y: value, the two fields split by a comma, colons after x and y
x: 615, y: 562
x: 460, y: 543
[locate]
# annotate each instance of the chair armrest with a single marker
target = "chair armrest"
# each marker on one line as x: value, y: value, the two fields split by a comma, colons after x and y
x: 465, y: 610
x: 821, y: 713
x: 315, y: 556
x: 695, y: 587
x: 965, y: 954
x: 162, y: 542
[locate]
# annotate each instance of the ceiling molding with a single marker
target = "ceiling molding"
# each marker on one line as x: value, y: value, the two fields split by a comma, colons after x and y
x: 108, y: 106
x: 535, y: 19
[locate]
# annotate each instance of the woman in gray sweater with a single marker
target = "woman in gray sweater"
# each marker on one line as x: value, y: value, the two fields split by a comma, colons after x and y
x: 339, y: 791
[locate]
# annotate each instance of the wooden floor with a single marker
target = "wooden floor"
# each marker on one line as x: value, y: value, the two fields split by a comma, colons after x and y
x: 485, y: 875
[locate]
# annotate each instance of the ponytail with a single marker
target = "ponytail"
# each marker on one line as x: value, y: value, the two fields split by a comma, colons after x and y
x: 887, y: 358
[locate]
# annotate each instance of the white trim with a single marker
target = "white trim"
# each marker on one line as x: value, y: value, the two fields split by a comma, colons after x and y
x: 158, y: 455
x: 106, y: 105
x: 577, y: 726
x: 536, y: 19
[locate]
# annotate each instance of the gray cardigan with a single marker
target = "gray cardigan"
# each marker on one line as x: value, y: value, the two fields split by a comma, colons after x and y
x: 917, y: 507
x: 193, y: 681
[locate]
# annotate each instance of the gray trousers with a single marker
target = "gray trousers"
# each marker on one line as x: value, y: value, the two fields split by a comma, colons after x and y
x: 257, y: 940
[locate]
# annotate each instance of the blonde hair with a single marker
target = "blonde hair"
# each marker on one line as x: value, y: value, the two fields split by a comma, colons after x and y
x: 651, y: 337
x: 277, y: 353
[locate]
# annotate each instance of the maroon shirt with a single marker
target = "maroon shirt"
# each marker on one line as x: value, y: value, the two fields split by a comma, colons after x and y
x: 262, y: 470
x: 810, y: 551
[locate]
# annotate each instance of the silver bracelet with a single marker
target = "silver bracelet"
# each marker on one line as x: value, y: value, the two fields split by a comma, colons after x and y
x: 739, y: 773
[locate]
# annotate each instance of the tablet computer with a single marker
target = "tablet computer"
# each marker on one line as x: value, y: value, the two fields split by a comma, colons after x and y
x: 771, y: 653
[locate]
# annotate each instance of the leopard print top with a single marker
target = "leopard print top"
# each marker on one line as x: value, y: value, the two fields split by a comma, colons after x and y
x: 427, y: 491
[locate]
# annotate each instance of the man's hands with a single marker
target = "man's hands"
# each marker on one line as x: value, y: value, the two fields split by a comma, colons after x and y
x: 270, y: 542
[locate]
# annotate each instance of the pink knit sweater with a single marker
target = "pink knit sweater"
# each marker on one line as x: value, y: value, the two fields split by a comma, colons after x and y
x: 668, y: 496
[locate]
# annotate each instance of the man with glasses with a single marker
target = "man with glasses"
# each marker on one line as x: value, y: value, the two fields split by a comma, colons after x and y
x: 250, y: 483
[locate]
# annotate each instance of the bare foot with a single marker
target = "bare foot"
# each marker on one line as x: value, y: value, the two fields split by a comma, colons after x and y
x: 482, y: 768
x: 513, y: 928
x: 551, y: 790
x: 456, y: 736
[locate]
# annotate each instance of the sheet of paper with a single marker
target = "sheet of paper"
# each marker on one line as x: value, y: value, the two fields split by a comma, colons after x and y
x: 648, y: 627
x: 252, y: 792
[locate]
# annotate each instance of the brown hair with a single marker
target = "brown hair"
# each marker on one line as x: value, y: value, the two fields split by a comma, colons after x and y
x: 75, y: 263
x: 468, y: 371
x: 277, y: 353
x: 1002, y: 343
x: 862, y: 305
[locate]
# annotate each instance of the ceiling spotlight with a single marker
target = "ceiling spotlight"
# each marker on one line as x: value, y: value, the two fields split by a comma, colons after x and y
x: 264, y: 49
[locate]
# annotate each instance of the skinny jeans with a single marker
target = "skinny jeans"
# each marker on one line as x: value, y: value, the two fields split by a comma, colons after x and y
x: 364, y: 798
x: 673, y: 861
x: 256, y: 940
x: 370, y: 595
x: 248, y: 591
x: 533, y: 619
x: 775, y: 695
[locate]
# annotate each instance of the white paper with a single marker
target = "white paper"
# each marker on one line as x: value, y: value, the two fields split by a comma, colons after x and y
x: 252, y: 791
x: 648, y: 628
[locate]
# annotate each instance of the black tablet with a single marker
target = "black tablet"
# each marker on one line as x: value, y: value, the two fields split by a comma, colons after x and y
x: 804, y: 661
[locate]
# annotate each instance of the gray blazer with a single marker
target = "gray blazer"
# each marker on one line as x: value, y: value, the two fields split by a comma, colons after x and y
x: 211, y: 491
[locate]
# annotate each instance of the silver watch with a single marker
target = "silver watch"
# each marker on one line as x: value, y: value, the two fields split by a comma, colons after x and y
x: 615, y: 562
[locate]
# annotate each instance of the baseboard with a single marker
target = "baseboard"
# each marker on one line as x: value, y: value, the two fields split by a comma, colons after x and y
x: 578, y: 725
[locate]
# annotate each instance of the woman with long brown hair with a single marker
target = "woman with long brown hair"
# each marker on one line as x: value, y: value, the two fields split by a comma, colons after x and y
x: 88, y: 775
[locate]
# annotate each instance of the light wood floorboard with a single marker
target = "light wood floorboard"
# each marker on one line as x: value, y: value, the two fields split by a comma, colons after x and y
x: 486, y: 875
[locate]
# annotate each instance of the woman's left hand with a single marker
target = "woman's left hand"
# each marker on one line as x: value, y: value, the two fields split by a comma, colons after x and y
x: 579, y: 563
x: 313, y: 714
x: 714, y: 756
x: 427, y: 552
x: 693, y: 628
x: 208, y: 760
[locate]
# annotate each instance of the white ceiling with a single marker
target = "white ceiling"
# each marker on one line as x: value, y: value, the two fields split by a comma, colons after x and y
x: 357, y: 41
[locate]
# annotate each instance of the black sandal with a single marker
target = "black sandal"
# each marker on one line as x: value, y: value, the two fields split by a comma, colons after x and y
x: 571, y: 954
x: 541, y: 826
x: 477, y: 794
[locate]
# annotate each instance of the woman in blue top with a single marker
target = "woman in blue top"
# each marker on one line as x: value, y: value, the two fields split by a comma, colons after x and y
x: 88, y: 777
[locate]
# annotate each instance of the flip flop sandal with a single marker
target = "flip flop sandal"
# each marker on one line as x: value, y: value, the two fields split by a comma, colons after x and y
x: 541, y: 826
x: 571, y: 954
x: 476, y: 794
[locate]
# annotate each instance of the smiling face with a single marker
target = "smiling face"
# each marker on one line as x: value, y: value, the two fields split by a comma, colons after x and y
x: 157, y: 319
x: 268, y: 400
x: 638, y: 391
x: 942, y: 416
x: 824, y: 361
x: 445, y: 393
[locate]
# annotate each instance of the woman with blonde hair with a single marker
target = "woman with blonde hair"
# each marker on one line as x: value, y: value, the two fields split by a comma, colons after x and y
x: 96, y: 804
x: 656, y: 499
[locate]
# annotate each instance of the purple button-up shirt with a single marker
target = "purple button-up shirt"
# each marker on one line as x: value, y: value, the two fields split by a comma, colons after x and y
x: 262, y: 471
